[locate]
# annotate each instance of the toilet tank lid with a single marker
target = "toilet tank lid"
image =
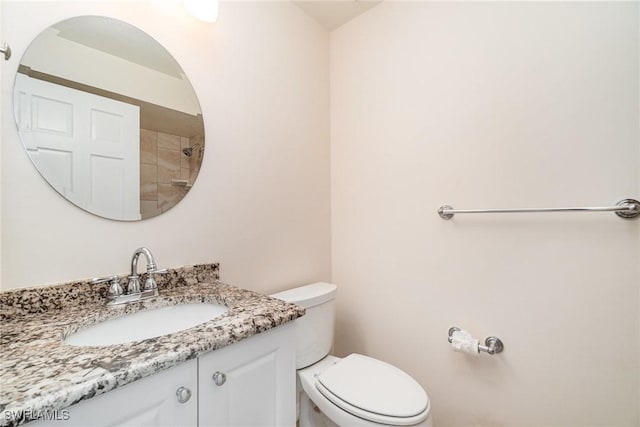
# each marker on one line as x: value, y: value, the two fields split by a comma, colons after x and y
x: 309, y: 295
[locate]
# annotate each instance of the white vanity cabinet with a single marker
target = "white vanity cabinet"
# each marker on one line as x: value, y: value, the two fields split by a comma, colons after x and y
x: 255, y: 386
x: 252, y: 383
x: 150, y: 401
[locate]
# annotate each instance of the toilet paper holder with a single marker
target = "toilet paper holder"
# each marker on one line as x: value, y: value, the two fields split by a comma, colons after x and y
x: 492, y: 345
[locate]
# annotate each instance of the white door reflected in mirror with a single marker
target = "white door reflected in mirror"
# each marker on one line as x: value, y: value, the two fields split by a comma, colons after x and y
x: 86, y: 145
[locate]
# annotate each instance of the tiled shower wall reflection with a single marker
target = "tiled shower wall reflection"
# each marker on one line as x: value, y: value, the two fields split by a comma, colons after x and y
x: 161, y: 161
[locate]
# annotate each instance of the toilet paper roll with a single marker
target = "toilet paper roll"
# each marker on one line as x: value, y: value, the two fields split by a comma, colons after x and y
x: 463, y: 342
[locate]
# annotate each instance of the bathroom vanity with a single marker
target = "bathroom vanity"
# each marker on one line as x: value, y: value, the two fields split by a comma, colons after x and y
x: 236, y: 369
x: 120, y: 134
x: 234, y: 386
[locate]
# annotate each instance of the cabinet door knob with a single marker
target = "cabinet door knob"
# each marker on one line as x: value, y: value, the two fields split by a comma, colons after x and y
x: 183, y: 394
x: 219, y: 378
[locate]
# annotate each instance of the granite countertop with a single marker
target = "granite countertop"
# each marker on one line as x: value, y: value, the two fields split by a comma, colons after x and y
x: 40, y: 372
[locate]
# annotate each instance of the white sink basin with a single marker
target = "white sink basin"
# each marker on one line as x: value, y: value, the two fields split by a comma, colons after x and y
x: 146, y: 324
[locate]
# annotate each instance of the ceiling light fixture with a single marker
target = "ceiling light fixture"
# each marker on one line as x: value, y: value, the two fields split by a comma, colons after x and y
x: 204, y: 10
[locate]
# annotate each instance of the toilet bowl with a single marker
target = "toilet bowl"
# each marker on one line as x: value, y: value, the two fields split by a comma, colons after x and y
x: 353, y: 391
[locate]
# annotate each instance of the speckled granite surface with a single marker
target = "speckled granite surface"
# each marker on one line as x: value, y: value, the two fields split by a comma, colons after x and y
x: 70, y: 294
x: 39, y: 372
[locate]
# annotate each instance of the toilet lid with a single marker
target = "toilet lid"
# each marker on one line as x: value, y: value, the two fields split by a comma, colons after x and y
x: 374, y: 390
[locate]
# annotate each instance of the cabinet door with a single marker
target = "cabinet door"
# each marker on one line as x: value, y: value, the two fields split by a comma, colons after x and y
x: 151, y: 401
x: 255, y: 382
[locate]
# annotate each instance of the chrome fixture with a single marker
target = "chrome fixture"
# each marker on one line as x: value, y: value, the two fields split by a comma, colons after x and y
x: 626, y: 208
x: 219, y: 378
x: 152, y: 269
x: 117, y: 295
x: 189, y: 150
x: 492, y: 345
x: 6, y: 51
x: 115, y: 289
x: 183, y: 394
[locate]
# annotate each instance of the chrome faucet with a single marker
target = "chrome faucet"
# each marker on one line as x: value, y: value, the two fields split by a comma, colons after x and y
x: 134, y: 279
x: 116, y: 295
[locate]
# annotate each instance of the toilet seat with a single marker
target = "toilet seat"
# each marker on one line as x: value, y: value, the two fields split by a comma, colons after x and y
x: 374, y: 390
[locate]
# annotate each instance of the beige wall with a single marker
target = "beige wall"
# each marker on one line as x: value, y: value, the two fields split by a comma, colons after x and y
x: 260, y: 205
x: 476, y: 105
x: 4, y: 93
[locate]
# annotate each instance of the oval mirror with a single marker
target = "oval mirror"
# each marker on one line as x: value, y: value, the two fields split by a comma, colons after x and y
x: 109, y: 118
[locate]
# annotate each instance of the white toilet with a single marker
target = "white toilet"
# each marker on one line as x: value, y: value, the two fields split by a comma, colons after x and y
x: 354, y: 391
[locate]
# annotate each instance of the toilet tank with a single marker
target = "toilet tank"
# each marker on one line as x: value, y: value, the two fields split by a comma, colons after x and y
x: 314, y: 330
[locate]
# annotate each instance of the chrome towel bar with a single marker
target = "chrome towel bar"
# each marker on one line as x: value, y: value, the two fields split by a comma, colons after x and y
x: 626, y: 208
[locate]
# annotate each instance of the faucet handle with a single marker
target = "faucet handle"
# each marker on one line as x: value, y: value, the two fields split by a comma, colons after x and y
x: 115, y: 289
x: 150, y: 283
x: 134, y: 284
x: 96, y: 280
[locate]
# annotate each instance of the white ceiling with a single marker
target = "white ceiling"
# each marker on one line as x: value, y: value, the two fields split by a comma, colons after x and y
x: 333, y: 13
